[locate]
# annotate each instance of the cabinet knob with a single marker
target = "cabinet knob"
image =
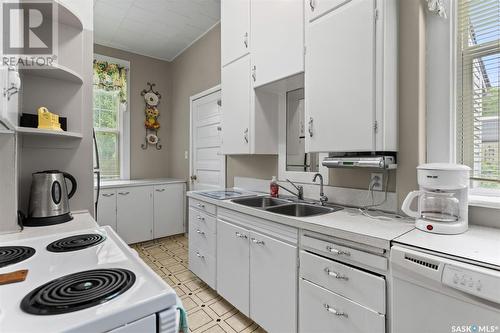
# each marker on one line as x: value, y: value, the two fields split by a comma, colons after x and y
x: 123, y: 193
x: 311, y: 122
x: 240, y: 235
x: 254, y: 73
x: 160, y: 190
x: 199, y: 255
x: 335, y: 274
x: 245, y: 40
x: 245, y: 135
x: 200, y: 218
x: 334, y: 311
x: 107, y: 195
x: 257, y: 242
x: 337, y: 252
x: 312, y: 5
x: 201, y: 205
x: 198, y: 231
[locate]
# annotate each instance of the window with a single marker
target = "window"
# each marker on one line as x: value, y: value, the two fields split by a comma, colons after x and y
x: 478, y: 98
x: 111, y: 123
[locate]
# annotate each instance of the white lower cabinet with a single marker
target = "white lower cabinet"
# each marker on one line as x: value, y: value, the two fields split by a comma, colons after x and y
x: 322, y: 311
x: 106, y: 214
x: 273, y: 283
x: 233, y: 265
x: 258, y: 275
x: 134, y: 214
x: 141, y: 213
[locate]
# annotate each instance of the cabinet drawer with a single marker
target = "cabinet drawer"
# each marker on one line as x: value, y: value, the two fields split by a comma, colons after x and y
x: 202, y: 219
x: 203, y: 265
x: 354, y: 284
x: 203, y: 206
x: 321, y: 311
x: 344, y: 253
x: 201, y: 237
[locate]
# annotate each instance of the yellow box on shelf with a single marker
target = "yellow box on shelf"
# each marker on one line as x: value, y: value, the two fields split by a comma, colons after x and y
x: 48, y: 120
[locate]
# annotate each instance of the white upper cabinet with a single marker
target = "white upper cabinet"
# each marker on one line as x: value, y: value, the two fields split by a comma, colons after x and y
x: 235, y: 29
x: 277, y: 34
x: 249, y: 116
x: 235, y: 92
x: 350, y: 76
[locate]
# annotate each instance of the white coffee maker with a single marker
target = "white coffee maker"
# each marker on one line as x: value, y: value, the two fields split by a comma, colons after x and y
x: 442, y: 199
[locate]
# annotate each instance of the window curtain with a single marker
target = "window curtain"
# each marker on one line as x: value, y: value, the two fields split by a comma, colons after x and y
x: 111, y: 77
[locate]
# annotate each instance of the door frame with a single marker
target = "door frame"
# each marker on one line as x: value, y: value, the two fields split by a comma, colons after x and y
x: 192, y: 99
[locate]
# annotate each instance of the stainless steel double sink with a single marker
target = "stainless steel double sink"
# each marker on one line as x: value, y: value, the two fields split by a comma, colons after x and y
x: 286, y: 207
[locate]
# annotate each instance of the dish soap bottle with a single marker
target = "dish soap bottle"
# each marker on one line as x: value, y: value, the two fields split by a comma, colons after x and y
x: 274, y: 187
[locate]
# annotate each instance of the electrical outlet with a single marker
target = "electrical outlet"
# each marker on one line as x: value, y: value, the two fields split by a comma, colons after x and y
x: 377, y: 181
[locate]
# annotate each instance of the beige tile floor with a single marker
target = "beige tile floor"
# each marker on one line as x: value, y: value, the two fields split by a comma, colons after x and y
x: 207, y: 311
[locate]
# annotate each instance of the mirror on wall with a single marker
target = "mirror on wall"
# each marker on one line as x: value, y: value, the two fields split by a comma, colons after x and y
x: 296, y: 157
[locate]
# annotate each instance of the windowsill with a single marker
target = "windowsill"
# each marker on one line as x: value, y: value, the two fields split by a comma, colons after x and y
x: 484, y: 201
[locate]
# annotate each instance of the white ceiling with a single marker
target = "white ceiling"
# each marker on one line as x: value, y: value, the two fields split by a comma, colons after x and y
x: 157, y: 28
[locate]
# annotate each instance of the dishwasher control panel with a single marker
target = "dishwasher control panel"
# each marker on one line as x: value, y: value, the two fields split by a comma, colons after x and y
x: 480, y: 284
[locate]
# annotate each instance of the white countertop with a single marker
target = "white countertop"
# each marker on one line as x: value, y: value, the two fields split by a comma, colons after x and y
x: 81, y: 220
x: 348, y: 223
x: 139, y: 182
x: 479, y: 244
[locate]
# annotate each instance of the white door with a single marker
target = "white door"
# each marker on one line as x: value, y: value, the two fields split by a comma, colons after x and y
x: 169, y: 210
x: 236, y: 107
x: 273, y: 283
x: 208, y: 164
x: 134, y: 206
x: 235, y: 29
x: 339, y: 79
x: 106, y: 212
x: 277, y: 40
x: 233, y: 267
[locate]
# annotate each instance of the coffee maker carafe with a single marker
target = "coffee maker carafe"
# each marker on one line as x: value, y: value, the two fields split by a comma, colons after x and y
x: 442, y: 205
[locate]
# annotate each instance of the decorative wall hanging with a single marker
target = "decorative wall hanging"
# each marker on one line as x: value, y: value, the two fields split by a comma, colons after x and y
x: 437, y: 7
x: 152, y: 100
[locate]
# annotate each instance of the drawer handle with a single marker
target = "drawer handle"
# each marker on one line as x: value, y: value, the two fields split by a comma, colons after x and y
x: 198, y: 231
x: 240, y: 235
x: 337, y: 252
x: 335, y: 275
x: 199, y: 255
x: 335, y: 312
x: 107, y: 195
x: 123, y: 193
x: 258, y: 242
x: 201, y: 205
x: 160, y: 190
x: 199, y: 218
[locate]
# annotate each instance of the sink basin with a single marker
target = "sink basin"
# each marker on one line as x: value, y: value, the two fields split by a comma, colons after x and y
x: 302, y: 210
x: 260, y: 202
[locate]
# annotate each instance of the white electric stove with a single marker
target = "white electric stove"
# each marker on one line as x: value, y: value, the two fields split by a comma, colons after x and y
x: 82, y: 281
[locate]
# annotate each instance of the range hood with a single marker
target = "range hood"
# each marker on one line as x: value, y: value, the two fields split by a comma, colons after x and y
x: 374, y: 162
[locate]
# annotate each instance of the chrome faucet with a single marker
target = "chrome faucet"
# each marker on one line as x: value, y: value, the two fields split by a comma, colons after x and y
x: 300, y: 190
x: 322, y: 197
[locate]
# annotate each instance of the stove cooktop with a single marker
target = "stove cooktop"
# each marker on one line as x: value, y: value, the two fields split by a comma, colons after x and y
x: 75, y: 243
x: 93, y: 290
x: 10, y: 255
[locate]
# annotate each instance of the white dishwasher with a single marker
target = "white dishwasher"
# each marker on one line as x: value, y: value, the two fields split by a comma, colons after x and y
x: 434, y: 294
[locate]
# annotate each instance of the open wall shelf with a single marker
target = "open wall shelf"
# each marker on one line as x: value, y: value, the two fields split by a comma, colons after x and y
x: 44, y: 132
x: 57, y: 72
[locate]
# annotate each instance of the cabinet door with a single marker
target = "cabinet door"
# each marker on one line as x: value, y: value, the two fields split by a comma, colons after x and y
x: 273, y: 283
x: 236, y: 107
x: 233, y: 266
x: 106, y: 210
x: 235, y: 29
x: 169, y: 210
x: 135, y: 213
x: 277, y: 40
x: 339, y: 79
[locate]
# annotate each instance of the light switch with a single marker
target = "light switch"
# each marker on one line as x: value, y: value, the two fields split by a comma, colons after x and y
x: 186, y: 155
